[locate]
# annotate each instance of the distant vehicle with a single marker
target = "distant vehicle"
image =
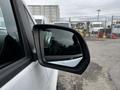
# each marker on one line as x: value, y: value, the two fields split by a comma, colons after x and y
x: 64, y: 24
x: 40, y: 19
x: 96, y: 26
x: 116, y: 29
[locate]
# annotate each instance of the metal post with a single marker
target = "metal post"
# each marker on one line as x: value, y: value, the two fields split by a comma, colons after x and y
x: 69, y: 19
x: 98, y: 20
x: 112, y: 26
x: 105, y: 32
x: 98, y: 14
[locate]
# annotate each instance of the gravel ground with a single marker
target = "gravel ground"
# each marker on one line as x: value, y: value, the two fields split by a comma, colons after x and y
x: 103, y: 71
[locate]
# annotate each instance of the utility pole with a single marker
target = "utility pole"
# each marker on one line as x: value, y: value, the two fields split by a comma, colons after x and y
x: 112, y: 25
x: 98, y: 19
x: 98, y: 14
x: 105, y: 32
x: 70, y: 21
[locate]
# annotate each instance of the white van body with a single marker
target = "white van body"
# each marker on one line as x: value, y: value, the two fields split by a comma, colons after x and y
x: 96, y: 26
x: 40, y: 19
x: 20, y: 57
x: 33, y: 76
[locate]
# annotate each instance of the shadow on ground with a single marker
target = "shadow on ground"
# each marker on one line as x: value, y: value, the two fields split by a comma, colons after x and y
x: 68, y: 81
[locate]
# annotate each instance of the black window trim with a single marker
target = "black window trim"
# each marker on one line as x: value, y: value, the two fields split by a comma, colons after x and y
x: 17, y: 13
x: 20, y: 28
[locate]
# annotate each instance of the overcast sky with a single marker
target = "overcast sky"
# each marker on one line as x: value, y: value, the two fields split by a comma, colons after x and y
x: 83, y: 7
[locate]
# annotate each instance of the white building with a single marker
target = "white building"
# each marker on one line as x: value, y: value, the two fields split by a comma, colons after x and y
x: 47, y: 8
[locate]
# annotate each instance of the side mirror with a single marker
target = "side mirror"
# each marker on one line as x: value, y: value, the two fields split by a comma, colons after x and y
x: 61, y: 48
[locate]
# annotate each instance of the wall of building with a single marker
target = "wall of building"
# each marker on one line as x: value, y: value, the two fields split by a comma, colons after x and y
x: 49, y: 11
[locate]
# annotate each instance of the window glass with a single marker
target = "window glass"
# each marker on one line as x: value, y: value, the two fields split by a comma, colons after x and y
x: 38, y: 21
x: 62, y: 24
x: 117, y: 26
x: 11, y: 49
x: 97, y: 25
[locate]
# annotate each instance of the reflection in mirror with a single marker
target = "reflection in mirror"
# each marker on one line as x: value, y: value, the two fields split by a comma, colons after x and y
x: 61, y: 47
x: 69, y: 63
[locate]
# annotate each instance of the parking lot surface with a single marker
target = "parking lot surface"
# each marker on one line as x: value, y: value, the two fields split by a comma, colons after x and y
x: 103, y: 72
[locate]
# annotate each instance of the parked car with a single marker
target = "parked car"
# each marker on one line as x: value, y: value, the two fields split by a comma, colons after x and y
x: 31, y: 54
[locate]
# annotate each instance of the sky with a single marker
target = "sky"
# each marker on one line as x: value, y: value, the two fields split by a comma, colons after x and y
x: 69, y: 8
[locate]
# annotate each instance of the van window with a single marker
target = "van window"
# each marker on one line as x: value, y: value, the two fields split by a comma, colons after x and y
x: 62, y: 24
x: 117, y: 26
x: 97, y: 25
x: 39, y: 21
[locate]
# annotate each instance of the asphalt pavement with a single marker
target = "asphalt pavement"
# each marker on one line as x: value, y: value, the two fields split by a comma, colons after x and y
x: 103, y: 72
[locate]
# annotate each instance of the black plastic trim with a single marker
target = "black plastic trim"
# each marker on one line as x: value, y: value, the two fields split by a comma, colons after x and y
x: 62, y: 58
x: 21, y: 28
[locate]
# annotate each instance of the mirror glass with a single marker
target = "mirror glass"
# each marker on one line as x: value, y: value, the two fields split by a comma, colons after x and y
x: 61, y: 47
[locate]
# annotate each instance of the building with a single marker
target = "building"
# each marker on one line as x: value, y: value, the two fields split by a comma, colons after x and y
x: 51, y: 11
